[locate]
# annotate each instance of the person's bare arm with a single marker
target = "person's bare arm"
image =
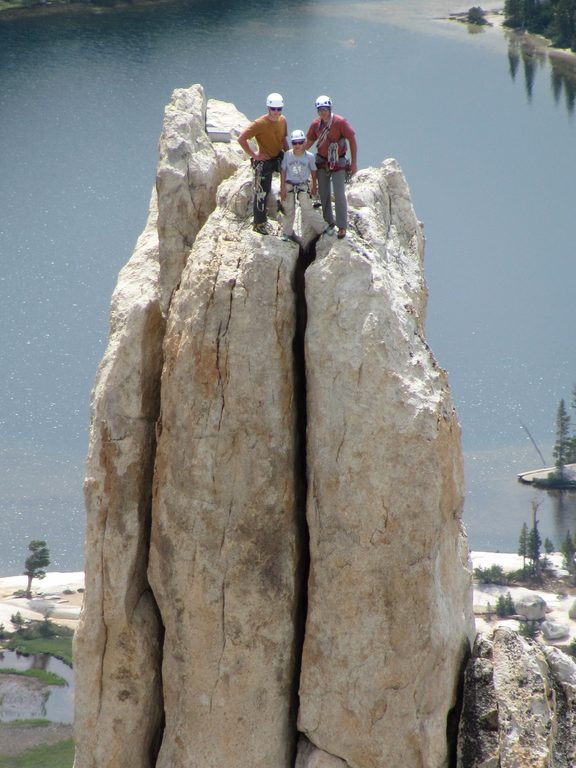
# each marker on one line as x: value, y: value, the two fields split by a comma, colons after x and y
x: 353, y: 154
x: 243, y: 141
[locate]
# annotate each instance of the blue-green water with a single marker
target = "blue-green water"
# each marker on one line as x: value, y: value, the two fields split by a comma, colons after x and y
x: 491, y: 169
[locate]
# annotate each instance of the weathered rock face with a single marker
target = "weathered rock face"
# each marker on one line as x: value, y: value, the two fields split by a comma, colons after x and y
x: 519, y: 705
x: 276, y: 570
x: 388, y: 589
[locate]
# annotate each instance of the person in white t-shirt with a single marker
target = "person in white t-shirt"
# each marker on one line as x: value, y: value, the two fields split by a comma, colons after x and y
x: 298, y: 183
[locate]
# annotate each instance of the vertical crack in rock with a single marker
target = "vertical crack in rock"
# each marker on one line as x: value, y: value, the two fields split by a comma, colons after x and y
x: 454, y: 715
x: 305, y: 258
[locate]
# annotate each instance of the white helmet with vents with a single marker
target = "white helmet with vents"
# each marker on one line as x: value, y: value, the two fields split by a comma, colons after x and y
x: 297, y: 135
x: 274, y: 100
x: 323, y: 101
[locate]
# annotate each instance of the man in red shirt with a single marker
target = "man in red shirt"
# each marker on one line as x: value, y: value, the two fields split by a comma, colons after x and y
x: 332, y: 135
x: 270, y: 131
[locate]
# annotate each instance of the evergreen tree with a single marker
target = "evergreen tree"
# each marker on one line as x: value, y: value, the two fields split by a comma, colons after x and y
x: 534, y: 541
x: 568, y: 550
x: 523, y: 545
x: 563, y: 441
x: 513, y: 16
x: 17, y: 621
x: 563, y: 23
x: 36, y: 563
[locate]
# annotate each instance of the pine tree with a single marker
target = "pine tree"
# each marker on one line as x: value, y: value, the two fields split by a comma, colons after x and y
x: 563, y: 440
x: 568, y: 550
x: 513, y: 13
x: 36, y: 563
x: 523, y: 545
x: 563, y: 27
x: 534, y: 541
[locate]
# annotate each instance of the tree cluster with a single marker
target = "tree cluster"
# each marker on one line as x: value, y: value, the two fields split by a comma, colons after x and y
x: 555, y: 19
x: 565, y: 445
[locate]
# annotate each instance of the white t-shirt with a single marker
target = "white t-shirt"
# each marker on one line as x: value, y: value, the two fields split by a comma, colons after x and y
x: 298, y: 167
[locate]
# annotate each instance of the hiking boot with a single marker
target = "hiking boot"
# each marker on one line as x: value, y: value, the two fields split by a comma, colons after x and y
x: 261, y: 229
x: 341, y: 233
x: 330, y: 229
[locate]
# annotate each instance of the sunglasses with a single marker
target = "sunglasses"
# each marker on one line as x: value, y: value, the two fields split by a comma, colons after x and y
x: 298, y: 142
x: 275, y: 109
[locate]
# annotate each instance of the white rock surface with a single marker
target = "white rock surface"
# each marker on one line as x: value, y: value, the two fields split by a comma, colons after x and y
x: 225, y: 535
x: 389, y: 603
x: 119, y: 708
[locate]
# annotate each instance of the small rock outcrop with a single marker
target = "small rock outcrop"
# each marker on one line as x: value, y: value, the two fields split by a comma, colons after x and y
x: 276, y: 572
x: 519, y: 705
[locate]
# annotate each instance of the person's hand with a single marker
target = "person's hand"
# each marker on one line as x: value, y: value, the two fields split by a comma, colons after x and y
x: 314, y: 191
x: 353, y: 168
x: 282, y: 193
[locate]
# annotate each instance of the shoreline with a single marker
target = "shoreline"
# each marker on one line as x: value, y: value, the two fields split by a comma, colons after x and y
x: 533, y: 44
x: 42, y: 10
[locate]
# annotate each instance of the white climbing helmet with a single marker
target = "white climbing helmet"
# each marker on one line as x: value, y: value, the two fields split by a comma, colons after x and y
x: 298, y: 136
x: 274, y: 100
x: 323, y: 101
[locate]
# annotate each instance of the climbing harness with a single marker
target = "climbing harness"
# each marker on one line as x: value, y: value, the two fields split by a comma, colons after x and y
x: 259, y: 193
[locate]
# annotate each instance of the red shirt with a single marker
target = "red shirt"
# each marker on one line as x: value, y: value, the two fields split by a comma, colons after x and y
x: 340, y: 130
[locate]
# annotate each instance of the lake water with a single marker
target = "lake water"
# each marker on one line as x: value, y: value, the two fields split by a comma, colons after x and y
x: 52, y: 702
x: 486, y: 140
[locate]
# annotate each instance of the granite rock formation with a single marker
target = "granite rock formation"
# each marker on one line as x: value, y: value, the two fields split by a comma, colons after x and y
x: 519, y: 706
x: 276, y: 572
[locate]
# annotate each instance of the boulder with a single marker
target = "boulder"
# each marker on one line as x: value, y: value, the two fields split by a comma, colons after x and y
x: 519, y: 705
x: 531, y: 606
x: 554, y: 630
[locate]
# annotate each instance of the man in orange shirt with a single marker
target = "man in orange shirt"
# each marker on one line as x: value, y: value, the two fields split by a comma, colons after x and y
x: 270, y: 132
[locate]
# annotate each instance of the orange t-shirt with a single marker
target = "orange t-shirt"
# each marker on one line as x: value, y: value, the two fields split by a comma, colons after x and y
x: 269, y: 135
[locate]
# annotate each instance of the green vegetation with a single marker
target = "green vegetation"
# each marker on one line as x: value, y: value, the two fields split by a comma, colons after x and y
x: 59, y: 646
x: 494, y: 574
x: 564, y: 448
x: 530, y: 543
x: 34, y: 722
x: 36, y: 563
x: 505, y: 606
x: 45, y: 636
x: 529, y: 629
x: 59, y: 755
x: 555, y: 19
x: 476, y: 16
x: 48, y: 678
x: 568, y: 550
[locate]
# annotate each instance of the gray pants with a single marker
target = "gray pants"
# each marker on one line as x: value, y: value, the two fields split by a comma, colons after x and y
x: 338, y: 179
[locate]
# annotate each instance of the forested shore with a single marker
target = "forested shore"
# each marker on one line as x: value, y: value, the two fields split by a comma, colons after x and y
x: 555, y: 20
x: 13, y: 9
